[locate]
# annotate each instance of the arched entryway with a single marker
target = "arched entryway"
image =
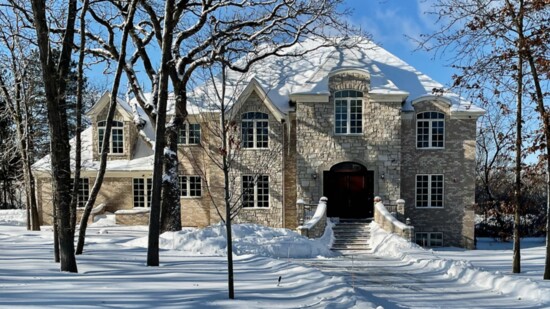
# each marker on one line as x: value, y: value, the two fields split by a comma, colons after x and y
x: 349, y: 187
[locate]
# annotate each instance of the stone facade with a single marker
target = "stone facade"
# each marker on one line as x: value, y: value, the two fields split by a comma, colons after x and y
x: 456, y: 162
x: 265, y: 162
x: 318, y: 148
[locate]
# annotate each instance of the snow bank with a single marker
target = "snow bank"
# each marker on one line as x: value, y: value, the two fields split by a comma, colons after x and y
x: 247, y: 239
x: 13, y: 216
x: 385, y: 244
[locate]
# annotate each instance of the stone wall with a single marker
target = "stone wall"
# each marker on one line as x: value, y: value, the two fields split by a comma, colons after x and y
x: 378, y: 148
x: 289, y: 161
x: 262, y: 161
x: 456, y: 162
x: 138, y: 218
x: 116, y: 193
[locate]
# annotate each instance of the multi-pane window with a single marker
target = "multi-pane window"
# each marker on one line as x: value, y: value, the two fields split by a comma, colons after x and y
x: 83, y: 191
x: 190, y: 186
x: 116, y: 143
x: 190, y: 134
x: 255, y: 130
x: 255, y: 191
x: 430, y: 130
x: 142, y: 192
x: 429, y: 239
x: 429, y: 191
x: 348, y: 112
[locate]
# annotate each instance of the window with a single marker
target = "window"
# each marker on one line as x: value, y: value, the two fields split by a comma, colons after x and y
x: 432, y: 239
x: 430, y: 130
x: 83, y: 191
x: 429, y: 191
x: 190, y: 186
x: 142, y: 194
x: 255, y: 191
x: 116, y: 143
x: 190, y: 134
x: 348, y: 112
x: 254, y: 130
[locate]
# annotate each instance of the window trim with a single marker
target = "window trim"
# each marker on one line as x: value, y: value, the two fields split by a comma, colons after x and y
x: 255, y: 194
x: 147, y: 194
x: 116, y: 125
x: 429, y: 192
x: 430, y: 122
x: 348, y: 100
x: 254, y: 122
x: 188, y: 185
x: 429, y: 239
x: 187, y: 128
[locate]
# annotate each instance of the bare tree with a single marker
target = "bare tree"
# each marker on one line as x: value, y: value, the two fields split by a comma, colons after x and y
x: 222, y: 145
x: 484, y: 37
x: 16, y: 90
x: 129, y: 16
x: 55, y: 86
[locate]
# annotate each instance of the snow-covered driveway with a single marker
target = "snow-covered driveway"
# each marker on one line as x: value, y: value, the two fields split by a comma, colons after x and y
x: 394, y: 283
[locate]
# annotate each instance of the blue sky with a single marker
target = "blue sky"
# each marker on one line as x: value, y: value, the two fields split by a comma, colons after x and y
x: 391, y: 21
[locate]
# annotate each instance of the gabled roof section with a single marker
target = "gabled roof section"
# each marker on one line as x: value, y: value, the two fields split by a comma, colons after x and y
x: 285, y: 76
x: 254, y: 86
x: 103, y: 102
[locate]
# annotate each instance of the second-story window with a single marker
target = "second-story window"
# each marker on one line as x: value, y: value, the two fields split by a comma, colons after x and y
x: 116, y: 142
x: 348, y: 112
x: 190, y: 134
x: 430, y: 130
x: 255, y: 130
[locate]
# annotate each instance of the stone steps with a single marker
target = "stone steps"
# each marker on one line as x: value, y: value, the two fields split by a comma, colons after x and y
x: 351, y: 235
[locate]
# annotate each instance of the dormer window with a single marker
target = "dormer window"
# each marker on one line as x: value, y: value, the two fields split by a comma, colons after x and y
x: 430, y: 130
x: 348, y: 112
x: 116, y: 143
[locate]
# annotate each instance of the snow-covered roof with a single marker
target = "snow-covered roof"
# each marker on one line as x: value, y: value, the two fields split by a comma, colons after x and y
x: 142, y: 158
x: 281, y: 77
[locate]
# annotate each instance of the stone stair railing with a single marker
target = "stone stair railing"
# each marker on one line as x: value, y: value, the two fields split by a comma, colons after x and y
x: 389, y: 223
x: 315, y: 226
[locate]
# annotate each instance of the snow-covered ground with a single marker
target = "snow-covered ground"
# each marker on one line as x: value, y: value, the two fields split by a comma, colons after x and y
x: 396, y: 274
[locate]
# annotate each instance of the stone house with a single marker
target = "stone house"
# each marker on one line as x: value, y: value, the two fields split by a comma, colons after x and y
x: 348, y: 124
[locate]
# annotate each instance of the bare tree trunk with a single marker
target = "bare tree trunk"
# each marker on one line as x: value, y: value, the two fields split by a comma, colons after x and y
x: 112, y: 108
x: 526, y: 52
x: 225, y: 168
x: 53, y: 73
x: 516, y: 262
x: 55, y: 227
x: 166, y: 56
x: 171, y: 205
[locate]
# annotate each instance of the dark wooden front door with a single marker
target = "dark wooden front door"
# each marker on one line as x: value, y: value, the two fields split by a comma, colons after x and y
x: 349, y: 188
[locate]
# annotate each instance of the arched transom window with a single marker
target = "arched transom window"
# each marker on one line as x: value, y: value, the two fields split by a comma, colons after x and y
x: 348, y: 112
x: 430, y: 130
x: 255, y: 130
x: 116, y: 143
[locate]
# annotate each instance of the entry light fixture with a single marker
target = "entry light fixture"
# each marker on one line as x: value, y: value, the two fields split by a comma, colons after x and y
x: 382, y: 176
x: 314, y: 175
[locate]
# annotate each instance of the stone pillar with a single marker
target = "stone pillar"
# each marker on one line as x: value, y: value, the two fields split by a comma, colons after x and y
x: 400, y: 209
